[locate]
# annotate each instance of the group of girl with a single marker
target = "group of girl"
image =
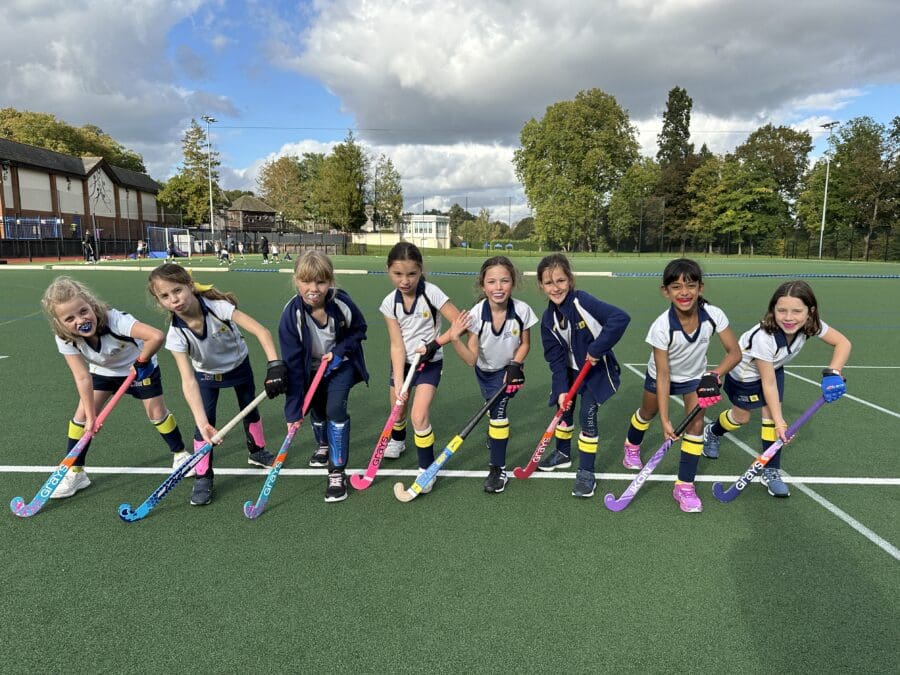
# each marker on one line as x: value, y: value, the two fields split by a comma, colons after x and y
x: 322, y: 326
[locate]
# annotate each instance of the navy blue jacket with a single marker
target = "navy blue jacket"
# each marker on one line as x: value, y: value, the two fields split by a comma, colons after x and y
x: 595, y: 327
x: 293, y: 334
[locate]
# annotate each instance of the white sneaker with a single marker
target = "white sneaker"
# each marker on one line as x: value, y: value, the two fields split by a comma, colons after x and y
x: 427, y: 488
x: 70, y: 484
x: 180, y: 458
x: 394, y: 449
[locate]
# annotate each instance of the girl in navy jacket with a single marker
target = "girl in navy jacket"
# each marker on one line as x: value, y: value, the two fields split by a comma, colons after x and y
x: 321, y: 323
x: 577, y: 327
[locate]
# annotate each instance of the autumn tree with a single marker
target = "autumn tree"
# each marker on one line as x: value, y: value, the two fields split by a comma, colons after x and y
x: 188, y: 190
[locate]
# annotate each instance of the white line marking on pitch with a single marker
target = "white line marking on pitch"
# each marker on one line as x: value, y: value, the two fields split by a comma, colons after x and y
x: 876, y: 539
x: 27, y: 316
x: 448, y: 473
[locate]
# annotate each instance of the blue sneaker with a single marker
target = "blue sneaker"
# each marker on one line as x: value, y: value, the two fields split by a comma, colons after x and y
x: 710, y: 443
x: 584, y: 484
x: 771, y: 478
x: 555, y: 460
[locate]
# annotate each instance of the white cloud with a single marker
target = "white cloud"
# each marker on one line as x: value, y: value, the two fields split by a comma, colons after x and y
x: 103, y: 63
x: 444, y: 72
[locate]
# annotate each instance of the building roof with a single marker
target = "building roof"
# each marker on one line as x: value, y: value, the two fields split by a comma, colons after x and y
x: 248, y: 203
x: 32, y: 156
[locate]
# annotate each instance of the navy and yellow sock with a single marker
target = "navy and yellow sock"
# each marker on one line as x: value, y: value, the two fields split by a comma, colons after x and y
x: 76, y: 432
x: 398, y: 431
x: 587, y: 445
x: 725, y: 424
x: 564, y: 439
x: 637, y: 428
x: 768, y: 436
x: 691, y: 449
x: 425, y: 446
x: 498, y: 438
x: 168, y: 429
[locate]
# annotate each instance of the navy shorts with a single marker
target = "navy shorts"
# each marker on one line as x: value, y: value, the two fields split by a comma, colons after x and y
x: 679, y: 388
x: 139, y: 389
x: 241, y: 375
x: 429, y: 374
x: 749, y: 395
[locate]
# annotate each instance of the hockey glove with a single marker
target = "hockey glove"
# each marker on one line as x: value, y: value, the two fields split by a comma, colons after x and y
x: 833, y: 385
x: 144, y: 369
x: 333, y: 365
x: 430, y: 350
x: 515, y: 377
x: 708, y: 391
x: 276, y: 378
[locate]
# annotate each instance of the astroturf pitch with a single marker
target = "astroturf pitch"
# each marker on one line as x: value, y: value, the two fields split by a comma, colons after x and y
x: 459, y: 580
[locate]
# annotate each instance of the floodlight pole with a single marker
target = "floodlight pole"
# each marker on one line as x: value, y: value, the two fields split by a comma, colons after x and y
x: 212, y: 225
x: 829, y: 126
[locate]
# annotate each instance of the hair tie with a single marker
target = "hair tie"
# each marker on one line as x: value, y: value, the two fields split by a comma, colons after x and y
x: 202, y: 288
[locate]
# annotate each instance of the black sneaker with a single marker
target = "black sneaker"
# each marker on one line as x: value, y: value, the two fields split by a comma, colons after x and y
x: 202, y: 492
x: 319, y: 456
x: 261, y: 457
x: 337, y: 487
x: 496, y: 479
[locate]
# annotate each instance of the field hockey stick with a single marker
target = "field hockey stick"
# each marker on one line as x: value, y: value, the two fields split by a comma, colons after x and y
x: 726, y: 495
x: 522, y: 474
x: 252, y: 510
x: 617, y: 505
x: 18, y: 506
x: 424, y: 480
x: 363, y: 480
x: 129, y: 515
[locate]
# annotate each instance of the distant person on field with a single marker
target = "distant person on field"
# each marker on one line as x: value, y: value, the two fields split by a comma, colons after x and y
x: 264, y: 249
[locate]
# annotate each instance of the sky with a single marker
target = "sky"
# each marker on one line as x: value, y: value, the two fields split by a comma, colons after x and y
x: 442, y: 88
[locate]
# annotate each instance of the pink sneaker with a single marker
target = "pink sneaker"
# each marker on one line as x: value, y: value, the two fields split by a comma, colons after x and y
x: 687, y: 498
x: 632, y: 458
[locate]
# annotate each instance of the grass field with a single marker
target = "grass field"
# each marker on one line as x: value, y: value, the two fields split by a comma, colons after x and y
x: 530, y: 580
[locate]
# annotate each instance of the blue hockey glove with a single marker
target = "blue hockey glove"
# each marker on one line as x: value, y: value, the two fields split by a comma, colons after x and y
x: 144, y: 369
x: 833, y: 385
x: 333, y: 365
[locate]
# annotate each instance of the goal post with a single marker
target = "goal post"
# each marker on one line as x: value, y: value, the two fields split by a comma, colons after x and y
x: 159, y: 238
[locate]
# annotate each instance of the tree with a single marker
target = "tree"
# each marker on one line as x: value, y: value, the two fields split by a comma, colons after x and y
x: 523, y: 229
x: 458, y: 218
x: 280, y: 183
x: 863, y: 183
x: 188, y: 191
x: 387, y: 195
x: 780, y: 151
x: 677, y: 161
x: 45, y: 131
x: 231, y: 195
x: 340, y: 190
x: 732, y: 198
x: 570, y: 162
x: 630, y: 204
x: 673, y: 140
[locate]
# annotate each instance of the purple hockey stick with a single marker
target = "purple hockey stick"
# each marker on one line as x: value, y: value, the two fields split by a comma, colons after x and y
x: 726, y: 495
x: 617, y: 505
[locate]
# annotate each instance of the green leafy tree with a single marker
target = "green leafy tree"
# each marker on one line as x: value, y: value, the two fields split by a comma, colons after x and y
x: 523, y: 229
x: 863, y: 184
x: 458, y: 218
x: 570, y: 161
x: 45, y: 131
x: 280, y: 183
x: 231, y: 195
x: 677, y: 161
x: 387, y: 195
x: 188, y: 191
x: 341, y: 187
x: 781, y: 152
x: 631, y: 202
